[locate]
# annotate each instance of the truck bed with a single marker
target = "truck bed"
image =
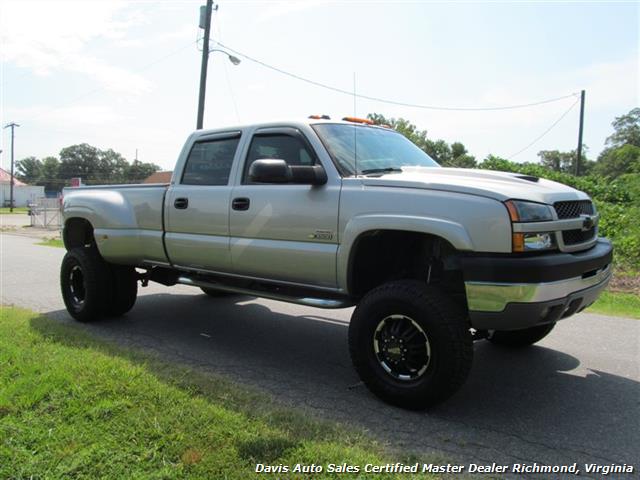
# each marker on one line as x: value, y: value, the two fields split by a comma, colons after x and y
x: 127, y: 219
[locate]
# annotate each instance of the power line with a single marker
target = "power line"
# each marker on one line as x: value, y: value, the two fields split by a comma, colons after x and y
x: 388, y: 101
x: 218, y: 30
x: 546, y: 131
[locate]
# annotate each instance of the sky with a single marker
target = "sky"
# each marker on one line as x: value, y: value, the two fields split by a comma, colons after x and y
x: 125, y: 74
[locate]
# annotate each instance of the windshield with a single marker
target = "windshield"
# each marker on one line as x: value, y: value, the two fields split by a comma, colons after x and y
x: 372, y: 150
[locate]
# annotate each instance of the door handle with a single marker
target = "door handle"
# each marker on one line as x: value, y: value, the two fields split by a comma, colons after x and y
x: 181, y: 203
x: 240, y: 203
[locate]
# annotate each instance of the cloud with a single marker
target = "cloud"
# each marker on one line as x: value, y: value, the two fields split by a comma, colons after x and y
x: 49, y: 37
x: 280, y: 9
x: 70, y: 117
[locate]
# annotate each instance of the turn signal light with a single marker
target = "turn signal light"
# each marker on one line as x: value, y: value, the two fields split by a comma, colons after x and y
x: 513, y: 211
x: 518, y: 242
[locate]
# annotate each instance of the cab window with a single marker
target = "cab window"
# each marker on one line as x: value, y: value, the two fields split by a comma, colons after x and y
x: 289, y: 148
x: 210, y: 161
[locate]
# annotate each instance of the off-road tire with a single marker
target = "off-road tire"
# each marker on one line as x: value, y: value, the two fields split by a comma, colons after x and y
x: 444, y: 323
x: 521, y: 338
x: 85, y: 282
x: 212, y: 292
x: 124, y: 290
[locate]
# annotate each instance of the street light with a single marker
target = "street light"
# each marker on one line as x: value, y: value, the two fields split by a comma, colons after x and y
x: 233, y: 59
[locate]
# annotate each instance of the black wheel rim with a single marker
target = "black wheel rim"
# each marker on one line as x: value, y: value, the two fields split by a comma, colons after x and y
x: 402, y: 347
x: 77, y: 287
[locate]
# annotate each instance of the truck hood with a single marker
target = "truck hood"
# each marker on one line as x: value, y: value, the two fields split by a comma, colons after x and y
x: 486, y: 183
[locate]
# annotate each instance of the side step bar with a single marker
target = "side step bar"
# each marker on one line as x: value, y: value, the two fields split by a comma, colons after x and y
x: 292, y: 296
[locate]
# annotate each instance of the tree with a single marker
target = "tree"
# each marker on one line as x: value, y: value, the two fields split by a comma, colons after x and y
x: 460, y: 157
x: 558, y: 161
x: 81, y: 161
x: 97, y: 166
x: 455, y: 155
x: 409, y: 130
x: 565, y: 162
x: 618, y: 161
x: 112, y: 167
x: 29, y: 169
x: 138, y: 171
x: 626, y: 130
x: 439, y: 150
x: 49, y: 174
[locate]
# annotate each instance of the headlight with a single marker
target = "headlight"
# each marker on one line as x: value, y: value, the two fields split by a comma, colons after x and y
x: 520, y: 211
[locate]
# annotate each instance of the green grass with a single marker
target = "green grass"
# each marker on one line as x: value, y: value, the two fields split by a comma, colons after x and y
x: 5, y: 210
x: 72, y: 406
x: 618, y: 304
x: 51, y: 242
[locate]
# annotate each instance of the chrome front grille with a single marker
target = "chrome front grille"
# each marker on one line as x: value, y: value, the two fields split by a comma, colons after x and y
x: 573, y: 209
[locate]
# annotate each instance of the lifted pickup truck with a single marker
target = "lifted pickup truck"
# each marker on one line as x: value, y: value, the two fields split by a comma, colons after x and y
x: 333, y: 214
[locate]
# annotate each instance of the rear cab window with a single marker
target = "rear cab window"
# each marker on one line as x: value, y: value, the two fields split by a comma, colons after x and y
x: 210, y: 161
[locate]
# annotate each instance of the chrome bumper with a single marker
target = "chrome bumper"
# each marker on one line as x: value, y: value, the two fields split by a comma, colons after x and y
x: 494, y: 297
x: 518, y: 306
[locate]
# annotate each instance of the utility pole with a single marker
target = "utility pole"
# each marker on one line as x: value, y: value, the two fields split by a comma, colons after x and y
x: 579, y: 151
x: 13, y: 125
x: 206, y: 24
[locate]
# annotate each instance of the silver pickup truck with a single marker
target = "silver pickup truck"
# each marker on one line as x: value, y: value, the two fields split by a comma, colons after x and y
x: 334, y: 214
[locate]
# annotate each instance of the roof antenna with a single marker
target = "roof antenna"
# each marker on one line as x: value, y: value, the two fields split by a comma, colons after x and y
x: 355, y: 128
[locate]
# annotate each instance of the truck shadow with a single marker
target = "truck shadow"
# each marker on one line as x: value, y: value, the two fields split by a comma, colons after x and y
x: 534, y: 404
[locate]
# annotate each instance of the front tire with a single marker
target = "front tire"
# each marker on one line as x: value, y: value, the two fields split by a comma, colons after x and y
x: 410, y: 344
x: 521, y: 338
x: 85, y: 283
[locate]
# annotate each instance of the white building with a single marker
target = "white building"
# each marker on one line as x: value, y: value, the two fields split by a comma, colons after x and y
x: 23, y: 194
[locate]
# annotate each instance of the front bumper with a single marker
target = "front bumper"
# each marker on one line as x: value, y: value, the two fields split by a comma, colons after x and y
x: 512, y: 293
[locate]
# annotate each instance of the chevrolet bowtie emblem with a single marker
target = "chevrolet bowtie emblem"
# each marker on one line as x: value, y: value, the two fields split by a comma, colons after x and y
x: 587, y: 223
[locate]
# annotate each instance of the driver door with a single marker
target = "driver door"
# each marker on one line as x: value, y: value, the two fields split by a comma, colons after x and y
x: 285, y: 231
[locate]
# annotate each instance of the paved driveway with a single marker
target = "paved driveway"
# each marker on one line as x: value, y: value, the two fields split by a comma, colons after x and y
x: 572, y: 398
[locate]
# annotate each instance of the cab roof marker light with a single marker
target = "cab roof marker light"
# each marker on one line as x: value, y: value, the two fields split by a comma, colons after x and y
x: 358, y: 120
x: 319, y: 117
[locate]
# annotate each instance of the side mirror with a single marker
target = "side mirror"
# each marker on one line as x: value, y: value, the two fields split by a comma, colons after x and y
x: 272, y: 170
x: 269, y: 170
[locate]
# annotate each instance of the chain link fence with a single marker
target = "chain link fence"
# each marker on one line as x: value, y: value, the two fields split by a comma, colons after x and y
x: 46, y: 213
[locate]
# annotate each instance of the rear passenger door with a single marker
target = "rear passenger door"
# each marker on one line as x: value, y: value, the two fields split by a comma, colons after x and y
x: 197, y: 229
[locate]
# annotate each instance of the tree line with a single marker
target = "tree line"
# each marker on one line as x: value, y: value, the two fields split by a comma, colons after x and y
x: 94, y: 166
x: 621, y: 155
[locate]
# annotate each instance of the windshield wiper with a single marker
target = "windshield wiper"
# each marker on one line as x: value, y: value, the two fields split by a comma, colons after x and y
x: 381, y: 170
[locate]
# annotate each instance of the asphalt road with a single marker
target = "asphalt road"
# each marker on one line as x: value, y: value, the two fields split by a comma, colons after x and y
x: 574, y: 397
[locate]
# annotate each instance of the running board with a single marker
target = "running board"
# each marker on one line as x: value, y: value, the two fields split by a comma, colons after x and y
x: 309, y: 301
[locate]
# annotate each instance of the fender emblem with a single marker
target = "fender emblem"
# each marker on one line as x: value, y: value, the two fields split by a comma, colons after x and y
x: 322, y: 235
